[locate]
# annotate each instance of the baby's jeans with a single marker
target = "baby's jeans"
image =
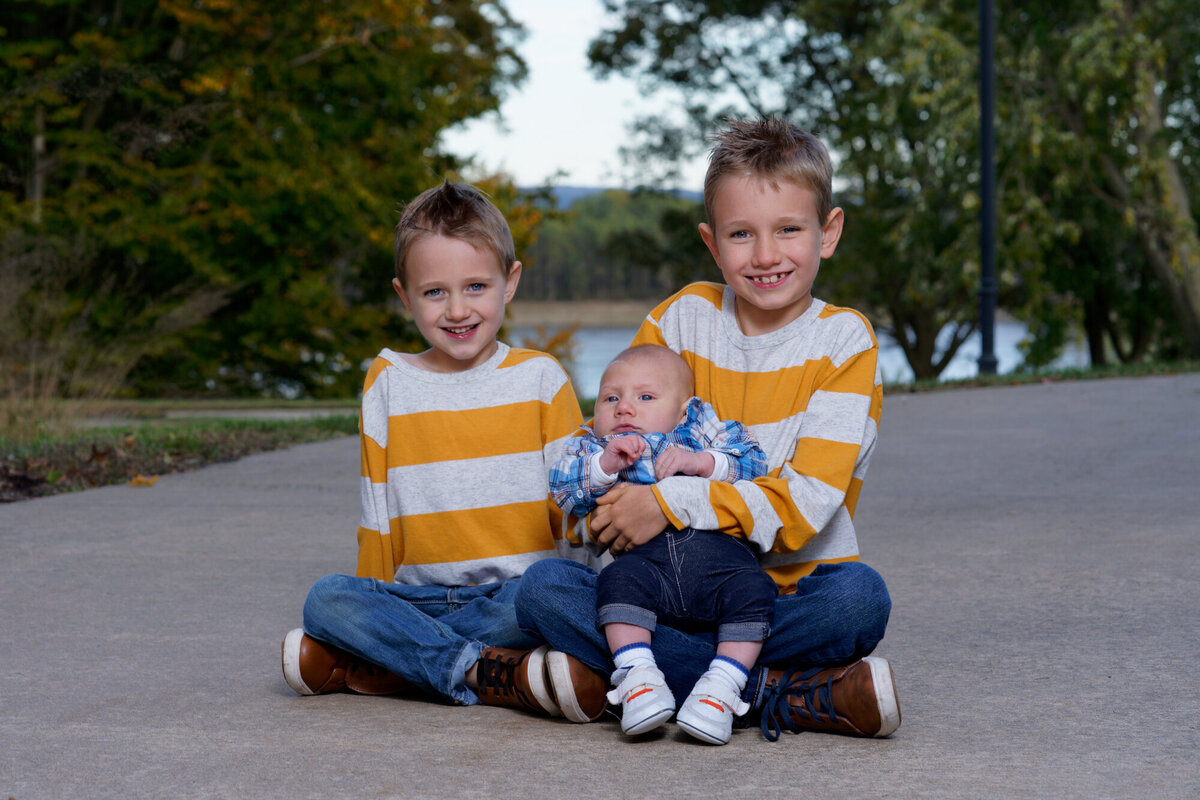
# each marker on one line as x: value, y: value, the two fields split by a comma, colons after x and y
x: 430, y: 635
x: 689, y: 580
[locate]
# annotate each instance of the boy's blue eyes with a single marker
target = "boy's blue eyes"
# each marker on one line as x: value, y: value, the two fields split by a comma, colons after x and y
x: 746, y: 234
x: 474, y: 287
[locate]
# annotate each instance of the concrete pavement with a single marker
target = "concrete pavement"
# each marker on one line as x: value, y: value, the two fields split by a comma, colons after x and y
x: 1041, y: 543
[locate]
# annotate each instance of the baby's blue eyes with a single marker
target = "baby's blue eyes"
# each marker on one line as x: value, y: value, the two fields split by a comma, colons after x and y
x: 612, y: 398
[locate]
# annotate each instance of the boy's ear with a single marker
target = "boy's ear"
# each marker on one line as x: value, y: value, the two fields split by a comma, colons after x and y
x: 399, y: 287
x: 510, y: 283
x: 710, y: 241
x: 831, y: 232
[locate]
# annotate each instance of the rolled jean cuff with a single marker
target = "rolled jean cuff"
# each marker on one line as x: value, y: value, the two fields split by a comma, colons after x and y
x: 630, y: 615
x: 459, y: 692
x: 743, y: 631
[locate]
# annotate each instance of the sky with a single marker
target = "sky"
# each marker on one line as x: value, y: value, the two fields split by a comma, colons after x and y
x: 563, y: 116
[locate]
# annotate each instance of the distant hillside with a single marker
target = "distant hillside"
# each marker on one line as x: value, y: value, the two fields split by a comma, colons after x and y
x: 565, y: 196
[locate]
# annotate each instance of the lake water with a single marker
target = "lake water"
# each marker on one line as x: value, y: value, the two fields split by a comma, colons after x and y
x: 595, y: 347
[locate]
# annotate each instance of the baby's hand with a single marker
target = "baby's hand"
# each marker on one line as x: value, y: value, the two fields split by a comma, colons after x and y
x: 621, y: 452
x: 677, y: 461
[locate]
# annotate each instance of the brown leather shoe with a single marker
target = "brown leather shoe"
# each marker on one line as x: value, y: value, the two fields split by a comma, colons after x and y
x: 515, y: 679
x: 858, y: 699
x: 579, y: 692
x: 312, y: 667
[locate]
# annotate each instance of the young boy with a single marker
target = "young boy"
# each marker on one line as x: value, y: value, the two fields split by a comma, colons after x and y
x: 648, y: 425
x: 456, y: 444
x: 802, y: 375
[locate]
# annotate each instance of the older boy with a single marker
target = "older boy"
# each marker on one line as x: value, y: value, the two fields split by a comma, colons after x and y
x: 802, y: 376
x: 456, y: 447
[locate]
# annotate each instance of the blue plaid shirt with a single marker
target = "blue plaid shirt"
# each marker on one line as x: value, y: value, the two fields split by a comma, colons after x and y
x: 571, y: 476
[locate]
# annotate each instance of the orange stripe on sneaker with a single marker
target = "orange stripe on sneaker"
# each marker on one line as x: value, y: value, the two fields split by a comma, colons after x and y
x: 717, y: 706
x: 637, y: 694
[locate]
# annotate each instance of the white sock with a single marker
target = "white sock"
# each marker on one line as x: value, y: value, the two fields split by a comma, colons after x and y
x: 729, y: 671
x: 626, y: 658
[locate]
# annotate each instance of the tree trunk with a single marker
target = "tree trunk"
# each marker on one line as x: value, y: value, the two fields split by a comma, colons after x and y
x: 1163, y: 217
x: 37, y: 183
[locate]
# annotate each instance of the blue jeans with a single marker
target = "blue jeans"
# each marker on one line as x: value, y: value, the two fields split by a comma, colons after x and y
x: 836, y: 615
x: 430, y: 635
x: 686, y: 579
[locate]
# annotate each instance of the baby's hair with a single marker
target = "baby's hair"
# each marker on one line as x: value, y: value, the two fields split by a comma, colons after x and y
x: 457, y: 211
x: 773, y: 149
x: 666, y: 356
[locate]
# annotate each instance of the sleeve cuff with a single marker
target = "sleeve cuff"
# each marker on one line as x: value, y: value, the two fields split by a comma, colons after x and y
x: 599, y: 477
x: 720, y: 465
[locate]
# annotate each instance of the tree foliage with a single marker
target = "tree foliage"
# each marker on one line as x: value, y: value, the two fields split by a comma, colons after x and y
x: 245, y: 159
x: 1096, y: 138
x: 616, y: 245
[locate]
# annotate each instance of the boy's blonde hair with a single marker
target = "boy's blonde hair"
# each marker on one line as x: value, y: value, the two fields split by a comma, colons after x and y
x: 456, y: 211
x: 772, y: 149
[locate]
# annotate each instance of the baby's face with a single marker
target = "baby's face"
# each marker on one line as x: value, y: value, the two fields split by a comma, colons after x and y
x: 636, y: 398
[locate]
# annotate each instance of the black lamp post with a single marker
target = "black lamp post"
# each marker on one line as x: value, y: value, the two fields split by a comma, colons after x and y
x: 987, y: 189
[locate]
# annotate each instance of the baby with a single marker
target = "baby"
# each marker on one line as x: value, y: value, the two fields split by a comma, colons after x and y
x: 648, y: 426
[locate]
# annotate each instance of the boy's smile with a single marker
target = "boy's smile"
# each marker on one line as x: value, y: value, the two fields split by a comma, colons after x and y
x: 456, y: 294
x: 768, y: 242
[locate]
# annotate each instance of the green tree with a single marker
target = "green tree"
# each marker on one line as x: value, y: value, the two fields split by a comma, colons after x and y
x: 1106, y: 97
x: 617, y: 244
x: 253, y: 155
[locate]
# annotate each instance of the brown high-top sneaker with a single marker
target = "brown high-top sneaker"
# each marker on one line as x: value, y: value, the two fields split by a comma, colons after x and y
x: 578, y: 691
x: 858, y: 699
x: 312, y: 667
x: 515, y: 679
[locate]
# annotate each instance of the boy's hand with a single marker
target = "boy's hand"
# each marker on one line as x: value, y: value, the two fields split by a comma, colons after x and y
x: 677, y: 461
x: 626, y: 517
x: 621, y: 452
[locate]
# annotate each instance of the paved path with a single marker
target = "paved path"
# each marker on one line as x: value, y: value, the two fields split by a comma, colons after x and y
x: 1042, y: 544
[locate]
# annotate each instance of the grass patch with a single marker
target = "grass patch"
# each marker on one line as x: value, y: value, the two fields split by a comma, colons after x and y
x: 86, y: 458
x: 160, y: 409
x: 1141, y: 370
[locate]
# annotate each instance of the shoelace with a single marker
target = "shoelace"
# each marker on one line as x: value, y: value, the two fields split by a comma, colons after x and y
x: 779, y: 712
x: 497, y: 675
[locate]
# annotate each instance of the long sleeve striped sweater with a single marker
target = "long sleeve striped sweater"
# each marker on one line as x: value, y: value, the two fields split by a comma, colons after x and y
x: 810, y: 393
x: 454, y: 468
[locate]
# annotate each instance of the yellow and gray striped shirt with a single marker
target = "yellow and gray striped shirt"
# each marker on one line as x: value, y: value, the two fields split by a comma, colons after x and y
x: 454, y: 468
x: 810, y: 393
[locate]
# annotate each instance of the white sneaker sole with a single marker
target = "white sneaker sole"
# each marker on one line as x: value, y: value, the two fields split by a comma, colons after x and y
x: 696, y: 724
x: 695, y: 729
x: 885, y: 695
x: 558, y: 667
x: 291, y: 662
x: 536, y: 663
x: 648, y: 723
